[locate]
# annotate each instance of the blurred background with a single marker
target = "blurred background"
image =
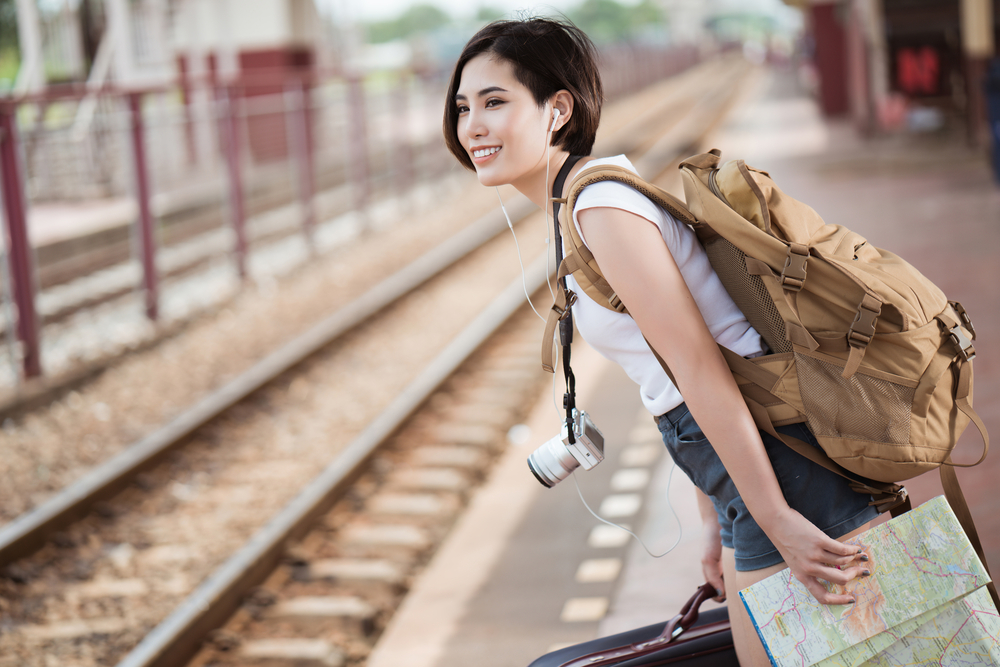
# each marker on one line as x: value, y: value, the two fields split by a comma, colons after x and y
x: 126, y: 121
x: 189, y: 189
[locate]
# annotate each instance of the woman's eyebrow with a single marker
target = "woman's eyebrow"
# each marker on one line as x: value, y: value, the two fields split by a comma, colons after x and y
x: 482, y: 93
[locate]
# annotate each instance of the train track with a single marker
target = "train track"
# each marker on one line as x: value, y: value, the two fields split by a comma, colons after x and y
x: 95, y: 588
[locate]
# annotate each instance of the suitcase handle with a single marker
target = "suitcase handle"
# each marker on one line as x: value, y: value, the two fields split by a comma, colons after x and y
x: 674, y: 629
x: 689, y: 613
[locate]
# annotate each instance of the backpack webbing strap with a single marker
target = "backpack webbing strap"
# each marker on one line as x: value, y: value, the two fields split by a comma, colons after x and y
x: 658, y: 195
x: 953, y: 494
x: 785, y: 301
x: 952, y: 319
x: 557, y: 312
x: 579, y: 259
x: 963, y: 388
x: 565, y: 317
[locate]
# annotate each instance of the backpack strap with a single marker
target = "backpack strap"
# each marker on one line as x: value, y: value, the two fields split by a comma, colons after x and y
x: 579, y: 259
x: 565, y: 318
x: 564, y: 298
x: 953, y: 494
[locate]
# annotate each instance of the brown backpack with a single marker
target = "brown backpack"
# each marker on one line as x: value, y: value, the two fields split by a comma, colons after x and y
x: 865, y: 349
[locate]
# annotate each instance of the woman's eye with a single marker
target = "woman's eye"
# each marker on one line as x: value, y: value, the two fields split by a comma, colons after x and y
x: 493, y: 102
x: 462, y: 109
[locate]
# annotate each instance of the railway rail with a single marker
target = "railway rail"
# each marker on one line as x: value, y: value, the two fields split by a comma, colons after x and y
x: 175, y: 508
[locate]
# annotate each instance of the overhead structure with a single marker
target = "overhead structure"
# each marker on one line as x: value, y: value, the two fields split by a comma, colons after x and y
x: 877, y: 58
x: 217, y: 42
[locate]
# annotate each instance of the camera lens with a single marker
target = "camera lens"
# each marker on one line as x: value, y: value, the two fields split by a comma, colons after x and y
x: 552, y: 462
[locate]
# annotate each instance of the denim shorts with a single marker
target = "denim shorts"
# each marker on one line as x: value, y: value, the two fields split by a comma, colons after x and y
x: 819, y: 495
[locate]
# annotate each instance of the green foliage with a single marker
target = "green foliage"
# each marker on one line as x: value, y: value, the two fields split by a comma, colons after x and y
x: 742, y: 26
x: 604, y: 20
x: 489, y: 14
x: 8, y: 26
x: 10, y: 59
x: 416, y: 19
x: 610, y: 21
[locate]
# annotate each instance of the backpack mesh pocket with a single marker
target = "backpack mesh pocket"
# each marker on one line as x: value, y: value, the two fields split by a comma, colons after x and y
x: 749, y: 293
x: 860, y: 407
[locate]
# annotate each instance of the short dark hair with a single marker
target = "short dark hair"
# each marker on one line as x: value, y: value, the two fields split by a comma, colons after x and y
x: 547, y: 56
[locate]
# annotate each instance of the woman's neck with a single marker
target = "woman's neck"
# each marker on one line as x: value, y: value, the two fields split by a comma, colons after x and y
x: 537, y: 185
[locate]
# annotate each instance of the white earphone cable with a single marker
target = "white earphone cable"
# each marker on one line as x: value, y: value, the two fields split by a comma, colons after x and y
x: 677, y: 520
x: 524, y: 283
x: 548, y: 271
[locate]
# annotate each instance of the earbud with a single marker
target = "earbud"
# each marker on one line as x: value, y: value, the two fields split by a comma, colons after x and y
x: 555, y: 117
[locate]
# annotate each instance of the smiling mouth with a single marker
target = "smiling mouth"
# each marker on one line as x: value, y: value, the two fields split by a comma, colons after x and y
x: 485, y: 152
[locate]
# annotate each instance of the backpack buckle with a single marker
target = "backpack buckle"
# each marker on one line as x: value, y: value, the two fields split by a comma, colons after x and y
x: 863, y: 328
x: 962, y: 342
x: 563, y: 313
x: 793, y: 276
x: 964, y: 317
x: 615, y: 302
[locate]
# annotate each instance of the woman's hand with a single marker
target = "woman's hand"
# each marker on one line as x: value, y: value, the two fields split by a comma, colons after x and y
x: 711, y: 557
x: 812, y: 555
x: 711, y: 560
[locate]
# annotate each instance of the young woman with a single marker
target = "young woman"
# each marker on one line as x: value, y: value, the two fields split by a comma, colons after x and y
x: 524, y: 97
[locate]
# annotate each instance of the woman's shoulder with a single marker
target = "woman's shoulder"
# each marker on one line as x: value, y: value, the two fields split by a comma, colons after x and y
x: 614, y: 193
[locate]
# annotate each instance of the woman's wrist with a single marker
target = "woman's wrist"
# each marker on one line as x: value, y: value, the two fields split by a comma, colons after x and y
x: 772, y: 517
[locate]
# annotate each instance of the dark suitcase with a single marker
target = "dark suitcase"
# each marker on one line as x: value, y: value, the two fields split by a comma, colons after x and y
x: 690, y: 639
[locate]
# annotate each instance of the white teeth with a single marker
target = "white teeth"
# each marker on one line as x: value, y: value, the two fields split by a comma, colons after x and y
x: 485, y: 152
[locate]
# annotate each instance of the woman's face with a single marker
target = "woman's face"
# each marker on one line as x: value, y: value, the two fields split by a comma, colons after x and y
x: 499, y: 124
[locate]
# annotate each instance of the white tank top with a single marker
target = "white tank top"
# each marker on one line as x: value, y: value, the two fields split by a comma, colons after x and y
x: 616, y: 336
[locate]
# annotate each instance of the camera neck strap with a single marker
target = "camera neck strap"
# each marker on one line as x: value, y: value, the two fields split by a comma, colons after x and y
x: 566, y: 321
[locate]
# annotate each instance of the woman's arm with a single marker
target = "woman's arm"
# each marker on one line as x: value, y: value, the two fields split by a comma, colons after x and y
x: 637, y: 263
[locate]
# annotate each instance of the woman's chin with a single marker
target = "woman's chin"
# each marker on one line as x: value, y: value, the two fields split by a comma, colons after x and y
x: 488, y: 178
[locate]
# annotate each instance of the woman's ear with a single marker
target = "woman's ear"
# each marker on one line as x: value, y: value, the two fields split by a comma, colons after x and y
x: 563, y: 102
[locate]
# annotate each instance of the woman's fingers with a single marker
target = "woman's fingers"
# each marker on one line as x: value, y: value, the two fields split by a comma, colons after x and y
x: 843, y: 556
x: 824, y: 596
x: 715, y: 578
x: 711, y: 567
x: 839, y: 576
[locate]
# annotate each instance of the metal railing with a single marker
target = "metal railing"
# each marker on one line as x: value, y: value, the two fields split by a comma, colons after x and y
x: 258, y: 142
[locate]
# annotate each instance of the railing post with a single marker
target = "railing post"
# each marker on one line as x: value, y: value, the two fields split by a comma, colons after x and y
x: 147, y: 230
x: 231, y: 146
x: 358, y: 142
x: 297, y: 111
x: 22, y: 274
x: 402, y: 150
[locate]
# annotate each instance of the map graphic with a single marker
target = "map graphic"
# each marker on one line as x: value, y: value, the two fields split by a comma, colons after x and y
x: 924, y: 603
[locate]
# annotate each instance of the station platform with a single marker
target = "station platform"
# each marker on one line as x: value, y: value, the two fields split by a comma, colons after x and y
x: 528, y: 569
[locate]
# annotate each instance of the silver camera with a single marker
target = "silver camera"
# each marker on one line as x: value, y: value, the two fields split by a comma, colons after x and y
x: 553, y: 461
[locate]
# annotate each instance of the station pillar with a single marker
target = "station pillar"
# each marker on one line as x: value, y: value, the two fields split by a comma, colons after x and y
x: 977, y: 49
x: 828, y: 24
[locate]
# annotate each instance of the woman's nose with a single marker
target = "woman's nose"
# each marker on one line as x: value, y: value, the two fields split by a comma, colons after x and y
x: 473, y: 127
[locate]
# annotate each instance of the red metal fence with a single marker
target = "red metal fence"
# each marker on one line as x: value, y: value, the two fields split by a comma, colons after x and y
x: 246, y: 145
